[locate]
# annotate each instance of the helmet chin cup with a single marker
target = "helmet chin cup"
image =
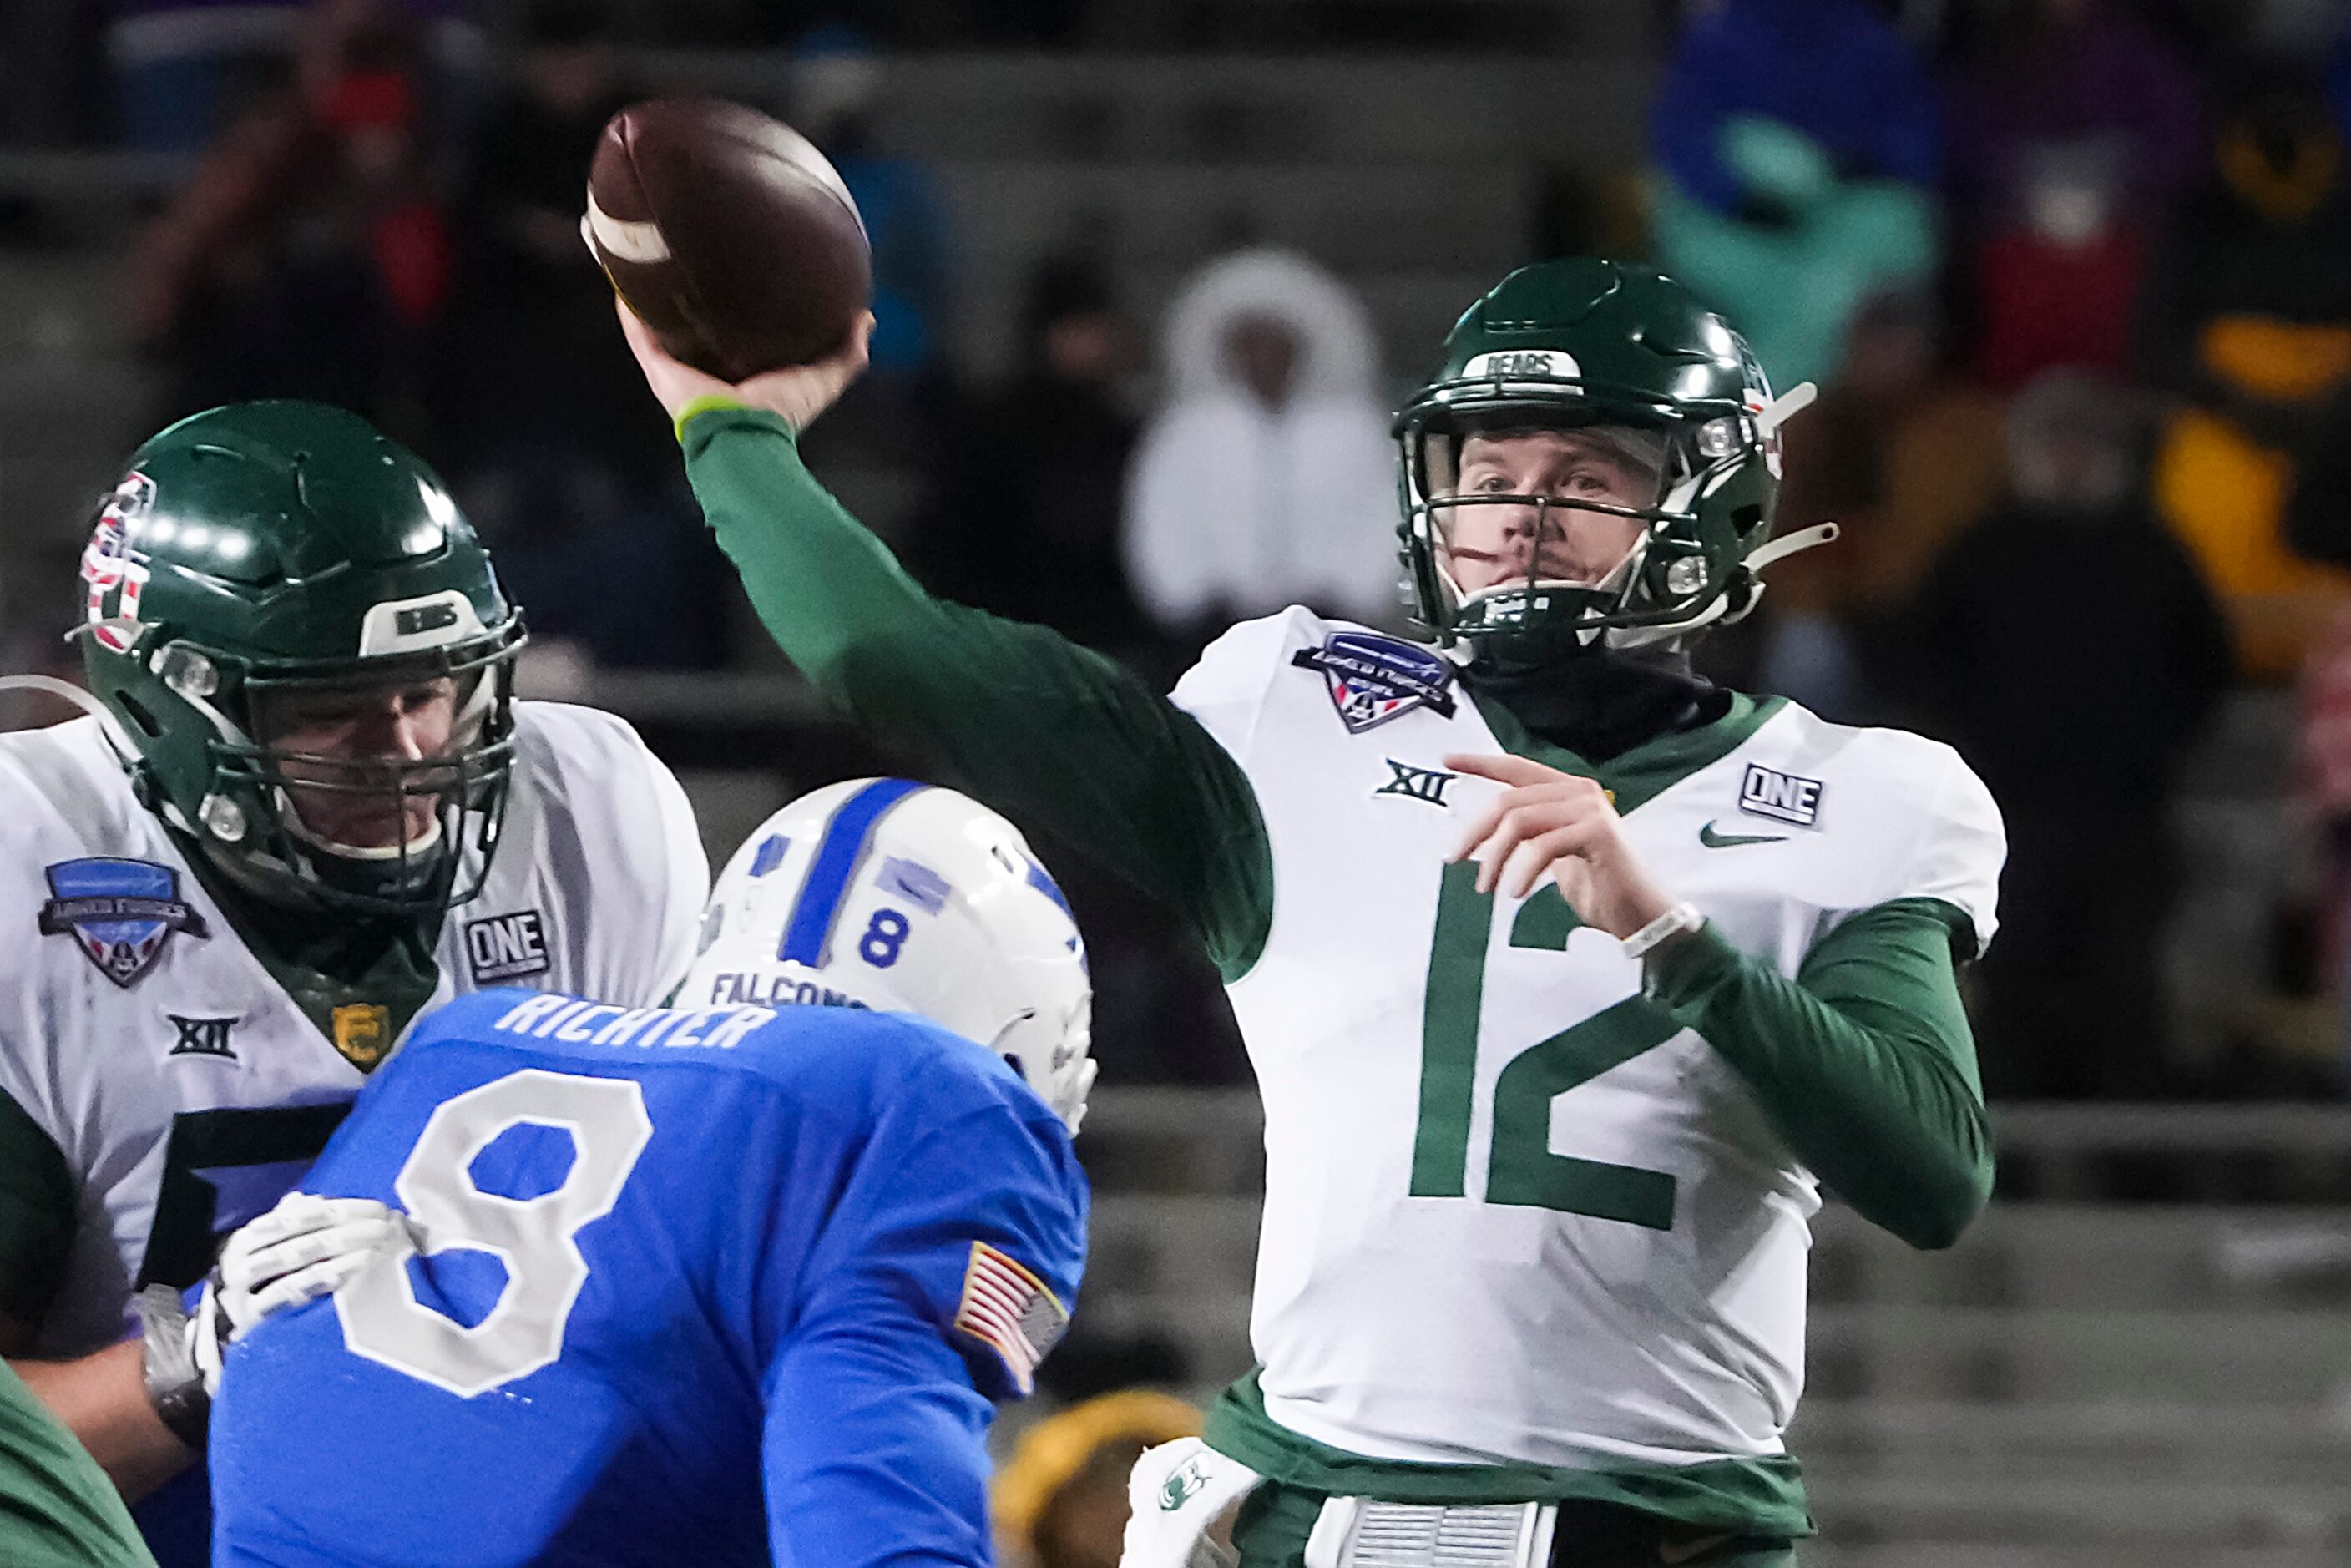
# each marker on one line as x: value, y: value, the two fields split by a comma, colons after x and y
x: 422, y: 844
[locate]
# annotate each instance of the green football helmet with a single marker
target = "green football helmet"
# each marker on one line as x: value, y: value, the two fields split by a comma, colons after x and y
x: 269, y: 553
x: 1591, y: 343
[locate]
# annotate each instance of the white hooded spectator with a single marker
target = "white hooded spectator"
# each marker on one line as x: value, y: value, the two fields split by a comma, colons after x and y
x: 1267, y: 479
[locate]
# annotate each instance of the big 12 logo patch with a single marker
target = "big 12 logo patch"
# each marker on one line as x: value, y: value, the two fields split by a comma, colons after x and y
x: 110, y: 567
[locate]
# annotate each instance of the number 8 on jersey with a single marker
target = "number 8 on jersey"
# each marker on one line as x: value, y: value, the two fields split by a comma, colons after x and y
x: 536, y: 1238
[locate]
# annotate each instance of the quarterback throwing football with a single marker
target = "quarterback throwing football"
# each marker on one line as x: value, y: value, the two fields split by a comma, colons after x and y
x: 1569, y: 978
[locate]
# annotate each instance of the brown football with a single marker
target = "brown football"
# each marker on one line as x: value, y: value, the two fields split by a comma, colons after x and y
x: 729, y: 234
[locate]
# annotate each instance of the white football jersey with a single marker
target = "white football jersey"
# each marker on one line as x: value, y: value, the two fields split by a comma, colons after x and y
x: 1514, y: 1212
x: 184, y: 1088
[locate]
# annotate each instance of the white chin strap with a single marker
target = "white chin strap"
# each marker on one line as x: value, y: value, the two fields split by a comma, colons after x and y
x: 1787, y: 545
x: 1764, y: 555
x: 1768, y: 421
x: 1785, y: 407
x: 1615, y: 582
x: 290, y: 815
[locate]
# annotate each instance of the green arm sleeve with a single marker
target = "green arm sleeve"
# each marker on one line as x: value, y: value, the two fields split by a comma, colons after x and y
x: 1016, y: 714
x: 36, y: 1214
x: 57, y: 1509
x: 1864, y: 1063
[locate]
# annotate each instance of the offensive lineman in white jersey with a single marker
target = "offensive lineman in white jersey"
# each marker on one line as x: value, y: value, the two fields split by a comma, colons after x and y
x: 1568, y: 977
x: 305, y: 807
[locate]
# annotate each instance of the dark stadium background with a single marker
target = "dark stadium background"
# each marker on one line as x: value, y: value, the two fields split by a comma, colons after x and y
x: 1990, y: 228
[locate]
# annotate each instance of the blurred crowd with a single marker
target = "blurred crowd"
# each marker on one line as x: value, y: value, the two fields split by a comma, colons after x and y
x: 2074, y: 275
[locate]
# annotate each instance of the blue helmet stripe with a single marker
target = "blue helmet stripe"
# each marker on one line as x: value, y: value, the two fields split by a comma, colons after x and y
x: 1045, y: 885
x: 837, y: 855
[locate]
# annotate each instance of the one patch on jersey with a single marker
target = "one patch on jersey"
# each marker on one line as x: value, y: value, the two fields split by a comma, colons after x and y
x: 506, y: 947
x: 1416, y: 783
x: 1783, y: 797
x: 1372, y: 679
x: 1011, y: 1311
x: 121, y: 913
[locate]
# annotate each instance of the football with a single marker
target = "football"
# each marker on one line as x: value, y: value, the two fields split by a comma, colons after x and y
x: 728, y: 233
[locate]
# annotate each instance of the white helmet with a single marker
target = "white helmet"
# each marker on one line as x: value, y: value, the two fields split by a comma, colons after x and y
x: 894, y: 895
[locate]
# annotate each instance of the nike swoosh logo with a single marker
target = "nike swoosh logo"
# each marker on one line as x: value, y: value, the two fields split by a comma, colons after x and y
x: 1714, y: 840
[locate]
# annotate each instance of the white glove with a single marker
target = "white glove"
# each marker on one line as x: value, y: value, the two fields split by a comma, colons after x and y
x: 302, y: 1249
x: 1175, y: 1492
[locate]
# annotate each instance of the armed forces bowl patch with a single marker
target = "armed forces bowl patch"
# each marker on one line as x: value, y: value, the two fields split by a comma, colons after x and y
x: 1374, y: 679
x: 1011, y: 1311
x: 121, y: 913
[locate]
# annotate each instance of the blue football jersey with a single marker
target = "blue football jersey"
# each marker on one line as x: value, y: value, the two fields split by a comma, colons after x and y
x: 706, y: 1286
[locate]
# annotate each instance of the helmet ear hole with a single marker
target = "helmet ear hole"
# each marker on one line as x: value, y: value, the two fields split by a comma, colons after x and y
x: 136, y: 712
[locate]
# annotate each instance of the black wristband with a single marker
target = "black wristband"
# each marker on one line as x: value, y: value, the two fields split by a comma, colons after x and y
x: 173, y: 1385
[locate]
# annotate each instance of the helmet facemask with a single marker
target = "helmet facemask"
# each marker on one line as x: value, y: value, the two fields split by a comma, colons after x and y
x: 1516, y: 510
x: 1616, y: 552
x: 277, y: 812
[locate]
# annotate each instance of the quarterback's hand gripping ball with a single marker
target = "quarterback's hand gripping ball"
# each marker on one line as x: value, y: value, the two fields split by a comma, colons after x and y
x: 797, y: 394
x: 729, y: 234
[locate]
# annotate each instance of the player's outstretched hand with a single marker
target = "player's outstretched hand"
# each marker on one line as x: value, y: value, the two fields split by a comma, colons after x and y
x: 798, y: 393
x: 300, y: 1251
x: 1547, y: 821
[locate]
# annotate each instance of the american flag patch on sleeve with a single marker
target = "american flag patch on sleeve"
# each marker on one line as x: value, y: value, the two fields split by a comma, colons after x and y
x: 1011, y: 1311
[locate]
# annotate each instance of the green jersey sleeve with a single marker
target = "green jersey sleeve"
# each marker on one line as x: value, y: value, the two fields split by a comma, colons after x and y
x: 1017, y: 715
x: 57, y: 1509
x: 1863, y: 1062
x: 36, y: 1214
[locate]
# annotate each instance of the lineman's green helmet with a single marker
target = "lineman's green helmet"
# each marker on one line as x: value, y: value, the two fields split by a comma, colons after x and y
x: 275, y: 550
x: 1586, y: 342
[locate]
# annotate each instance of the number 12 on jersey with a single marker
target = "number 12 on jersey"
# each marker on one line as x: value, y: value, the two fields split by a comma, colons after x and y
x: 1521, y: 1169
